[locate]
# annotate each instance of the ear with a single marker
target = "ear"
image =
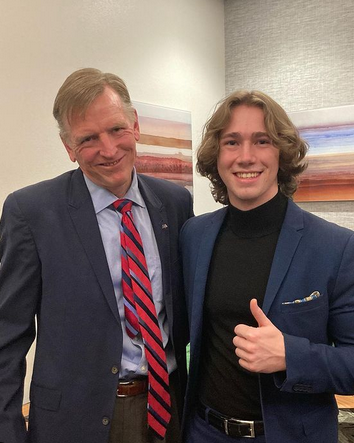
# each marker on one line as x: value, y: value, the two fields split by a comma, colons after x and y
x: 69, y: 150
x: 136, y: 127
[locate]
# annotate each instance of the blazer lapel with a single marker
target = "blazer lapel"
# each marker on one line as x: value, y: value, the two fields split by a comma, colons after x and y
x: 203, y: 258
x: 161, y: 227
x: 289, y: 238
x: 85, y: 222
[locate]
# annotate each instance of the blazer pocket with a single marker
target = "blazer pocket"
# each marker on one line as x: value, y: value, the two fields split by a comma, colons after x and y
x: 315, y: 303
x: 45, y: 398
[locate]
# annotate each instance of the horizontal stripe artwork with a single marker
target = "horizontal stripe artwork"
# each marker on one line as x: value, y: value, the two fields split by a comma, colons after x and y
x: 146, y: 139
x: 164, y: 149
x: 330, y: 135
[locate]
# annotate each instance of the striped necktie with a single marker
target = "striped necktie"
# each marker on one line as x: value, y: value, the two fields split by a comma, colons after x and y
x: 140, y: 316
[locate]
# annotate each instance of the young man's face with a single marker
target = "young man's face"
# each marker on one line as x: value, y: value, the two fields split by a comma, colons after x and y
x: 248, y: 162
x: 103, y: 142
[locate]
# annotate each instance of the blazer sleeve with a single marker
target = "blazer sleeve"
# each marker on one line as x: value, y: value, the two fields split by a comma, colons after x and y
x: 20, y: 289
x: 318, y: 367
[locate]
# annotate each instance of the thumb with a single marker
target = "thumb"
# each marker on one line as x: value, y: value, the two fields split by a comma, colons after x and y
x: 258, y: 314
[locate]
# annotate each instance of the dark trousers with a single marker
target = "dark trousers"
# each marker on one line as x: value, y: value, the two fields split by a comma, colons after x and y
x: 129, y: 422
x: 199, y: 431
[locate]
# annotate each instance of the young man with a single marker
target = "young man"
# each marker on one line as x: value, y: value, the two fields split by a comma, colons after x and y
x: 66, y: 259
x: 270, y: 289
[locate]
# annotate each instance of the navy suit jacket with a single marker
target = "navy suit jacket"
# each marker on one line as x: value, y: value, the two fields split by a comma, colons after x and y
x: 53, y: 265
x: 311, y: 255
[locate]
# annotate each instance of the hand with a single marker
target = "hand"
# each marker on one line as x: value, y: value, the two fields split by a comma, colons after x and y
x: 260, y: 349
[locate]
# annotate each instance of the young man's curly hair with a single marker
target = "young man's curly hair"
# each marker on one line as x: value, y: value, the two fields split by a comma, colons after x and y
x: 280, y: 129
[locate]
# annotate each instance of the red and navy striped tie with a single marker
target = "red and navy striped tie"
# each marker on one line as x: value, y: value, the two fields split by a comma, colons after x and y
x: 140, y: 316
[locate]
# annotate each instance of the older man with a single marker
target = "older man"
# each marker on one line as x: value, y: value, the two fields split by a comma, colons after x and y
x: 270, y: 374
x: 93, y: 255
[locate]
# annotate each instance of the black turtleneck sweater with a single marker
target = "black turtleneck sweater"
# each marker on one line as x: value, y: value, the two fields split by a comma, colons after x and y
x: 239, y: 271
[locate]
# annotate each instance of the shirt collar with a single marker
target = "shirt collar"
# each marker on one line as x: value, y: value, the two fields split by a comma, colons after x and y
x: 260, y: 221
x: 102, y: 198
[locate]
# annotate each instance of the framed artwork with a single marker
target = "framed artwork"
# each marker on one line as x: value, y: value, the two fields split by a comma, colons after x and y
x: 330, y: 135
x: 165, y: 145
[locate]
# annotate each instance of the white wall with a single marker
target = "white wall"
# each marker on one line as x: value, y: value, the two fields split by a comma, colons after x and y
x: 169, y: 52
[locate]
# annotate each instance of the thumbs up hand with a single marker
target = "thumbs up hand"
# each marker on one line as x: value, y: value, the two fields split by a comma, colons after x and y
x: 260, y: 349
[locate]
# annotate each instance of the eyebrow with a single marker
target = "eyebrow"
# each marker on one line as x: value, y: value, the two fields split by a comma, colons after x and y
x: 237, y: 135
x: 81, y: 138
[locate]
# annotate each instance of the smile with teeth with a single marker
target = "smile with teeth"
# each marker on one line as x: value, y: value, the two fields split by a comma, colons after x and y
x: 247, y: 174
x: 110, y: 163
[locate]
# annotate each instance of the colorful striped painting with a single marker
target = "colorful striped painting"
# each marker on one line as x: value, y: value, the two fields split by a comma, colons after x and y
x: 330, y: 135
x: 165, y: 145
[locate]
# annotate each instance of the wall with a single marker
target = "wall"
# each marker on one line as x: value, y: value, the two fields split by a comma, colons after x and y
x: 167, y: 52
x: 299, y: 52
x: 170, y: 53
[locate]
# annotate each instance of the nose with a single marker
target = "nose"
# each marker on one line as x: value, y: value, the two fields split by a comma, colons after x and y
x: 246, y: 153
x: 108, y: 147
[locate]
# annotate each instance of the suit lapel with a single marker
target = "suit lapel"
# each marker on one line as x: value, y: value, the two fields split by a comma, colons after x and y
x: 85, y: 222
x: 289, y: 238
x: 203, y: 258
x: 161, y: 227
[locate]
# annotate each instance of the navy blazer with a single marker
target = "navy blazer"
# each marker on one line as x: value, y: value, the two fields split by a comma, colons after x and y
x: 311, y: 255
x: 53, y: 265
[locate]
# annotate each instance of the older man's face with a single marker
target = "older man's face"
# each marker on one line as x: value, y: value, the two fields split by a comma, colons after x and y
x: 103, y: 142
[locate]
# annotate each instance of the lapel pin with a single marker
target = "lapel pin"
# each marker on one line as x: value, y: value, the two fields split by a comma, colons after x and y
x: 164, y: 226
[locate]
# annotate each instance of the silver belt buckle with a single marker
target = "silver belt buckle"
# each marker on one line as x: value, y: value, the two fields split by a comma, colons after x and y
x: 240, y: 422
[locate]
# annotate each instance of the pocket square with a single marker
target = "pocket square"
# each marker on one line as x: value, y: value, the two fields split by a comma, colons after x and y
x: 313, y: 296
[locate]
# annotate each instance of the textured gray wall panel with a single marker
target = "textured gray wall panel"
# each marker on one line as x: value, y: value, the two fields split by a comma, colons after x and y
x: 299, y: 52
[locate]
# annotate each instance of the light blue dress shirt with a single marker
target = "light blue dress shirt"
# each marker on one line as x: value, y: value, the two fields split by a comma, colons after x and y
x: 133, y: 358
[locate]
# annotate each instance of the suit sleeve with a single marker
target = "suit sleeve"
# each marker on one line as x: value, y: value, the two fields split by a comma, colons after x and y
x: 318, y: 367
x: 20, y: 288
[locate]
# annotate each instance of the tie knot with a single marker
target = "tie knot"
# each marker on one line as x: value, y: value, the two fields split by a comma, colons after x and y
x: 123, y: 205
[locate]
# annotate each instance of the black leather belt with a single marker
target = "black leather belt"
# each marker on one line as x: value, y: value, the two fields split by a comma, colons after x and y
x: 233, y: 427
